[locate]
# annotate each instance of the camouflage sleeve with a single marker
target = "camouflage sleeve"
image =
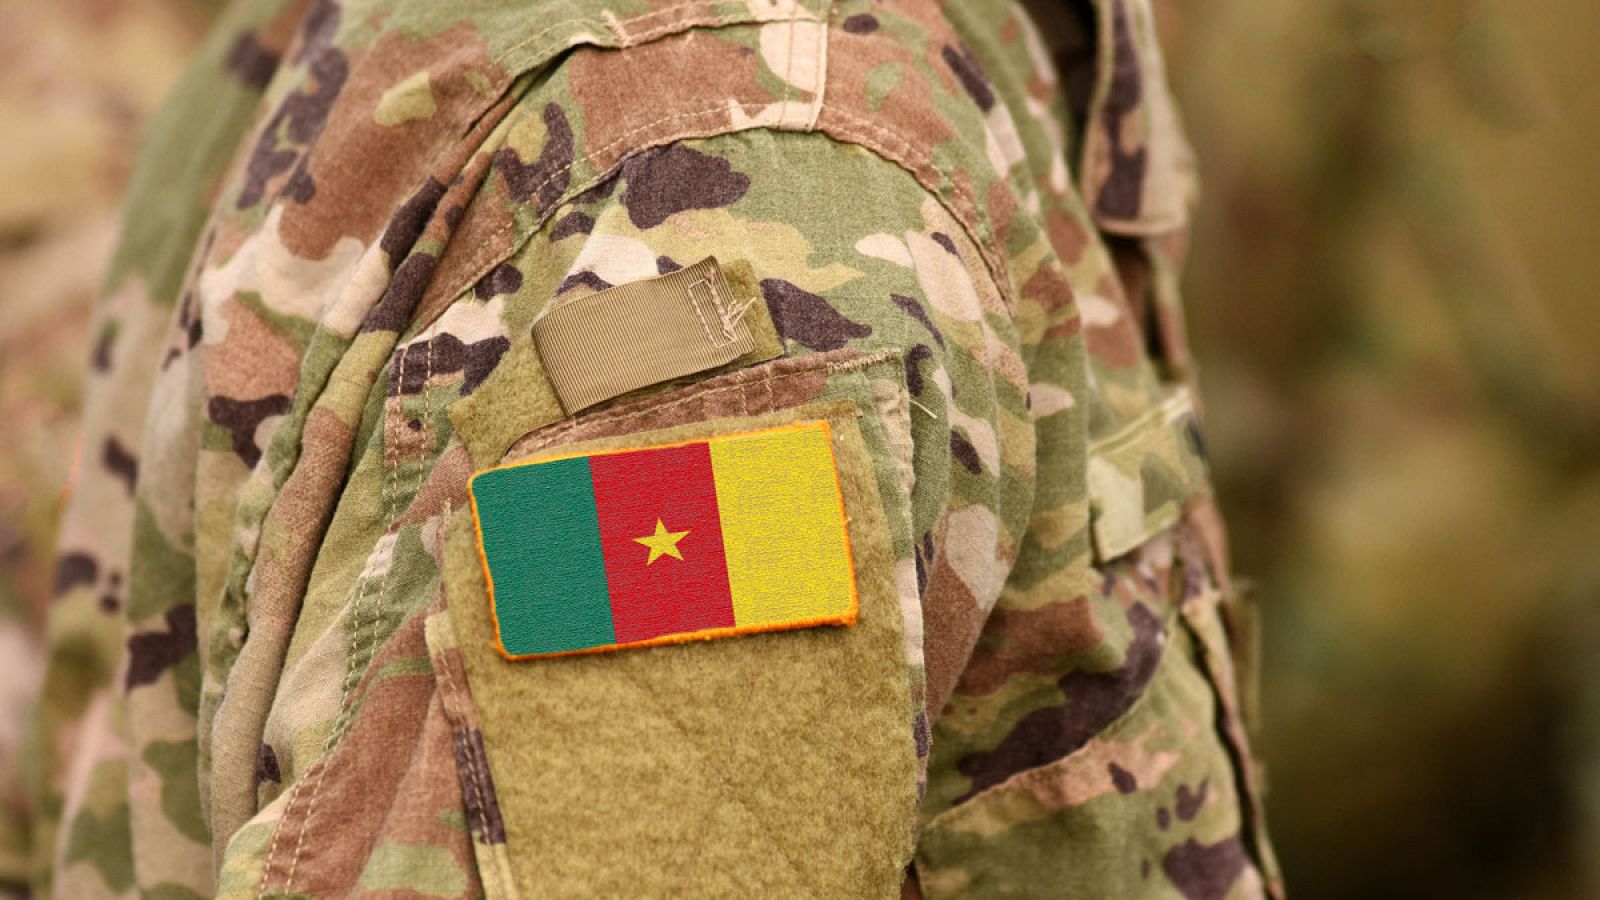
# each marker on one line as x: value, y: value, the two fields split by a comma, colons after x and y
x: 308, y: 688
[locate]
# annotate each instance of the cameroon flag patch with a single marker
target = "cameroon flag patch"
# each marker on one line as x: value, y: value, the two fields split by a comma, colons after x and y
x: 729, y: 535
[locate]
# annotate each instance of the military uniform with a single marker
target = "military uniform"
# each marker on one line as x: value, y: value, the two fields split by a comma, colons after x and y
x: 904, y: 274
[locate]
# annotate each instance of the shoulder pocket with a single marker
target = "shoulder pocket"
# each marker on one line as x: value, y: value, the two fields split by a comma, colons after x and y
x: 702, y: 755
x: 1142, y: 477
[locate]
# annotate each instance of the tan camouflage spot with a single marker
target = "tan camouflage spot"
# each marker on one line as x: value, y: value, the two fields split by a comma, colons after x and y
x: 970, y: 546
x: 1098, y: 311
x: 1057, y: 526
x: 289, y: 284
x: 886, y: 247
x: 409, y: 100
x: 1119, y: 512
x: 944, y: 279
x: 1049, y: 399
x: 1087, y: 774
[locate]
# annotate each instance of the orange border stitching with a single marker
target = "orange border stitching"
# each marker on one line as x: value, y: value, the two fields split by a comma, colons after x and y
x: 846, y: 618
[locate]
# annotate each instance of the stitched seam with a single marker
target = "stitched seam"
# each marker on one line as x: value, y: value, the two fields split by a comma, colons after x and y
x: 833, y: 366
x: 648, y: 34
x: 472, y: 763
x: 822, y: 64
x: 463, y: 721
x: 478, y: 270
x: 327, y: 742
x: 391, y: 482
x: 694, y: 304
x: 788, y: 73
x: 966, y: 205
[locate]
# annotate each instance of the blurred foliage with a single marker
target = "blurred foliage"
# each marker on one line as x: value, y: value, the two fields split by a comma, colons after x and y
x: 1390, y: 294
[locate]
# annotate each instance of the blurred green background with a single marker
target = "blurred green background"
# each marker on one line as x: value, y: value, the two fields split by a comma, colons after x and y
x: 1391, y: 295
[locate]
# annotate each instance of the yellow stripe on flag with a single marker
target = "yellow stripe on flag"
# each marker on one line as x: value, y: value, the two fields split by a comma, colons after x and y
x: 783, y: 526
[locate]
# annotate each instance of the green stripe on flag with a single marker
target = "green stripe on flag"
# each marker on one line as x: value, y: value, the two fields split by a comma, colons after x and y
x: 541, y: 539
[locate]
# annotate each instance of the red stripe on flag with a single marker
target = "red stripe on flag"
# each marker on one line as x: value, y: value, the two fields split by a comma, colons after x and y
x: 666, y: 595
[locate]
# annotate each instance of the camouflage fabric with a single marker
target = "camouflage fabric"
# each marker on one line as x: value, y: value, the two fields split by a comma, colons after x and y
x: 964, y: 231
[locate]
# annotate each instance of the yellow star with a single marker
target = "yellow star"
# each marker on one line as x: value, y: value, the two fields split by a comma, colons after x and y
x: 662, y: 542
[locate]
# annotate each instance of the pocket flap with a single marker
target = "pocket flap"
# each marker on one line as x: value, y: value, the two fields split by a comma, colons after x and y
x: 1141, y: 478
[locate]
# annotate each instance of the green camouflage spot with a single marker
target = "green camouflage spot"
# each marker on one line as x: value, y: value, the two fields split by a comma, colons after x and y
x: 175, y: 763
x: 881, y: 80
x: 453, y: 819
x: 166, y: 890
x: 104, y: 841
x: 408, y: 100
x: 428, y: 870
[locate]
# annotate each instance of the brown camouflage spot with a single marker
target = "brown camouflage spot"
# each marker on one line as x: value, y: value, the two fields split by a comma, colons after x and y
x: 666, y: 265
x: 303, y: 113
x: 965, y: 67
x: 267, y: 766
x: 1068, y: 236
x: 861, y: 23
x: 808, y: 319
x: 677, y: 73
x: 545, y: 179
x: 909, y: 108
x: 251, y: 61
x: 1092, y: 701
x: 120, y: 462
x: 914, y: 358
x: 241, y: 418
x: 1001, y: 202
x: 100, y: 357
x: 1205, y: 871
x: 152, y: 653
x: 913, y: 308
x: 952, y: 622
x: 1118, y: 342
x: 1189, y: 802
x: 1030, y: 640
x: 1048, y: 287
x: 575, y: 222
x: 410, y: 219
x: 672, y: 179
x: 255, y: 359
x: 586, y: 279
x: 502, y: 279
x: 388, y: 780
x: 399, y: 302
x: 1123, y: 780
x: 74, y: 570
x: 362, y: 169
x: 964, y: 453
x: 445, y: 355
x: 1122, y: 193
